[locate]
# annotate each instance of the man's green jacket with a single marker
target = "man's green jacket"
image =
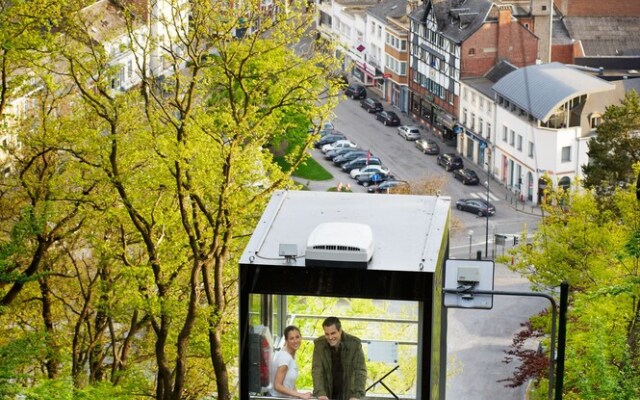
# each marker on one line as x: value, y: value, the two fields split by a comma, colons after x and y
x: 353, y: 367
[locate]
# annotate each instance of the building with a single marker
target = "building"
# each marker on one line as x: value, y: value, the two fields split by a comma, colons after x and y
x: 343, y: 22
x: 545, y: 115
x: 477, y: 116
x: 452, y: 40
x: 387, y: 50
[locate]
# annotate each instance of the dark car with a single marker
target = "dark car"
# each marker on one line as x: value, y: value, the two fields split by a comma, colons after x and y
x: 389, y: 186
x: 368, y: 179
x: 389, y: 118
x: 349, y: 156
x: 428, y: 146
x: 356, y: 92
x: 359, y: 163
x: 330, y: 155
x: 328, y: 139
x: 476, y: 206
x: 371, y: 105
x: 450, y: 161
x: 466, y: 176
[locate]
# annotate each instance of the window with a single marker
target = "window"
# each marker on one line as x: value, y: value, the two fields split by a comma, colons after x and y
x: 566, y: 154
x: 472, y: 51
x: 530, y: 149
x: 520, y: 142
x: 505, y: 132
x: 464, y: 117
x: 481, y: 103
x: 379, y: 31
x: 396, y: 66
x: 473, y: 97
x: 512, y: 137
x: 480, y: 125
x: 595, y: 120
x: 397, y: 43
x: 465, y: 94
x: 488, y: 107
x: 373, y: 27
x: 488, y: 131
x: 473, y: 121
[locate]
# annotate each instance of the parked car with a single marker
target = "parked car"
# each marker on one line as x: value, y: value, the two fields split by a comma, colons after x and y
x: 476, y: 206
x: 331, y: 138
x: 371, y: 105
x: 388, y: 118
x: 326, y: 126
x: 389, y: 186
x: 372, y: 178
x: 356, y: 92
x: 369, y: 169
x: 409, y: 132
x: 338, y: 144
x: 350, y: 156
x: 359, y: 163
x: 450, y: 161
x: 331, y: 155
x: 428, y: 146
x: 466, y: 176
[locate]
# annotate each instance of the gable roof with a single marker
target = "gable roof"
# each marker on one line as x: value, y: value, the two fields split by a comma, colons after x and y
x: 540, y: 89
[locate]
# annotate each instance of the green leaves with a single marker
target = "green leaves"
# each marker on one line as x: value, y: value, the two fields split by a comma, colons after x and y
x: 595, y: 249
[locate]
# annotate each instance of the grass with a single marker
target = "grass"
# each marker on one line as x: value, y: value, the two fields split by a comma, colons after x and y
x: 309, y: 169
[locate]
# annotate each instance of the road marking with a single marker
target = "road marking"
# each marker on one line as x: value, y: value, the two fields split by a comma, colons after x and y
x: 483, y: 196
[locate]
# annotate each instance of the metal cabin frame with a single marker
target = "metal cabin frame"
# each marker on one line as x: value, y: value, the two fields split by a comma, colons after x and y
x: 411, y: 235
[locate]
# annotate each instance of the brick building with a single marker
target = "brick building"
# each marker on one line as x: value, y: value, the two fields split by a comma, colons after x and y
x: 453, y: 39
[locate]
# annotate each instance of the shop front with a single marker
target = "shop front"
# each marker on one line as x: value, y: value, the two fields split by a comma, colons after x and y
x: 372, y: 76
x: 423, y: 108
x: 398, y: 95
x: 447, y: 124
x: 472, y: 145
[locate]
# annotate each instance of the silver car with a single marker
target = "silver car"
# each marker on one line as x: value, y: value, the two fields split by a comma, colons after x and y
x: 409, y: 132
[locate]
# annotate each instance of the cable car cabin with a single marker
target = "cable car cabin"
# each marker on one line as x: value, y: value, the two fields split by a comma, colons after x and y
x: 374, y: 261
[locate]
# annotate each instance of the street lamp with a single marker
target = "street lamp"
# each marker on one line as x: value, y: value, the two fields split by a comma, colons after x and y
x: 470, y: 241
x: 486, y: 233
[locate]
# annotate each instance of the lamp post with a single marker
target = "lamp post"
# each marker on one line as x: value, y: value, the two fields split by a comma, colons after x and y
x: 470, y: 241
x: 486, y: 233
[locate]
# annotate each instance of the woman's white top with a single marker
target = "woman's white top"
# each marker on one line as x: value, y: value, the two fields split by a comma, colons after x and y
x: 281, y: 358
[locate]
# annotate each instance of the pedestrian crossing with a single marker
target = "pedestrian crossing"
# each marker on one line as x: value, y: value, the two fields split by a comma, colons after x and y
x: 483, y: 196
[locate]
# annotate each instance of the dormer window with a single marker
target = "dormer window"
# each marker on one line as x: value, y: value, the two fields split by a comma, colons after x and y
x: 472, y: 51
x: 595, y: 119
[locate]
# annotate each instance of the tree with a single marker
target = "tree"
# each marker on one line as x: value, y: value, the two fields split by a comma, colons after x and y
x: 616, y: 147
x: 598, y: 253
x: 142, y: 200
x: 186, y: 158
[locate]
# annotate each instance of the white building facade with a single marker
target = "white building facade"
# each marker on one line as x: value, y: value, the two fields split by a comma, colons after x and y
x: 543, y: 117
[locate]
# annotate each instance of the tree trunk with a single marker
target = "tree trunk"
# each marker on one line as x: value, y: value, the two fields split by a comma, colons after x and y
x: 52, y: 363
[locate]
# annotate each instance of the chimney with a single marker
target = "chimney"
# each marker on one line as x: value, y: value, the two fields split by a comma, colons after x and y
x: 504, y: 32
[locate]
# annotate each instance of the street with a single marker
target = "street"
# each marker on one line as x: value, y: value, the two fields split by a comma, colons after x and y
x: 476, y: 339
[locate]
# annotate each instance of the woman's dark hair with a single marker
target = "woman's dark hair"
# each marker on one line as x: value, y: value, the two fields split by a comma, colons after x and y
x: 289, y: 329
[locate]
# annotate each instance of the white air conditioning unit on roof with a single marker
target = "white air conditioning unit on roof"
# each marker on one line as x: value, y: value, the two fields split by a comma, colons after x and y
x: 340, y: 244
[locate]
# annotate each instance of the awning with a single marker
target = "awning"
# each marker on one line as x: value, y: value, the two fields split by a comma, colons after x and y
x: 475, y: 137
x: 370, y: 71
x: 446, y: 120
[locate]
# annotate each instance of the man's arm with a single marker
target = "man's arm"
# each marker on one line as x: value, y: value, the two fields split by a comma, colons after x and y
x: 317, y: 372
x: 360, y: 371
